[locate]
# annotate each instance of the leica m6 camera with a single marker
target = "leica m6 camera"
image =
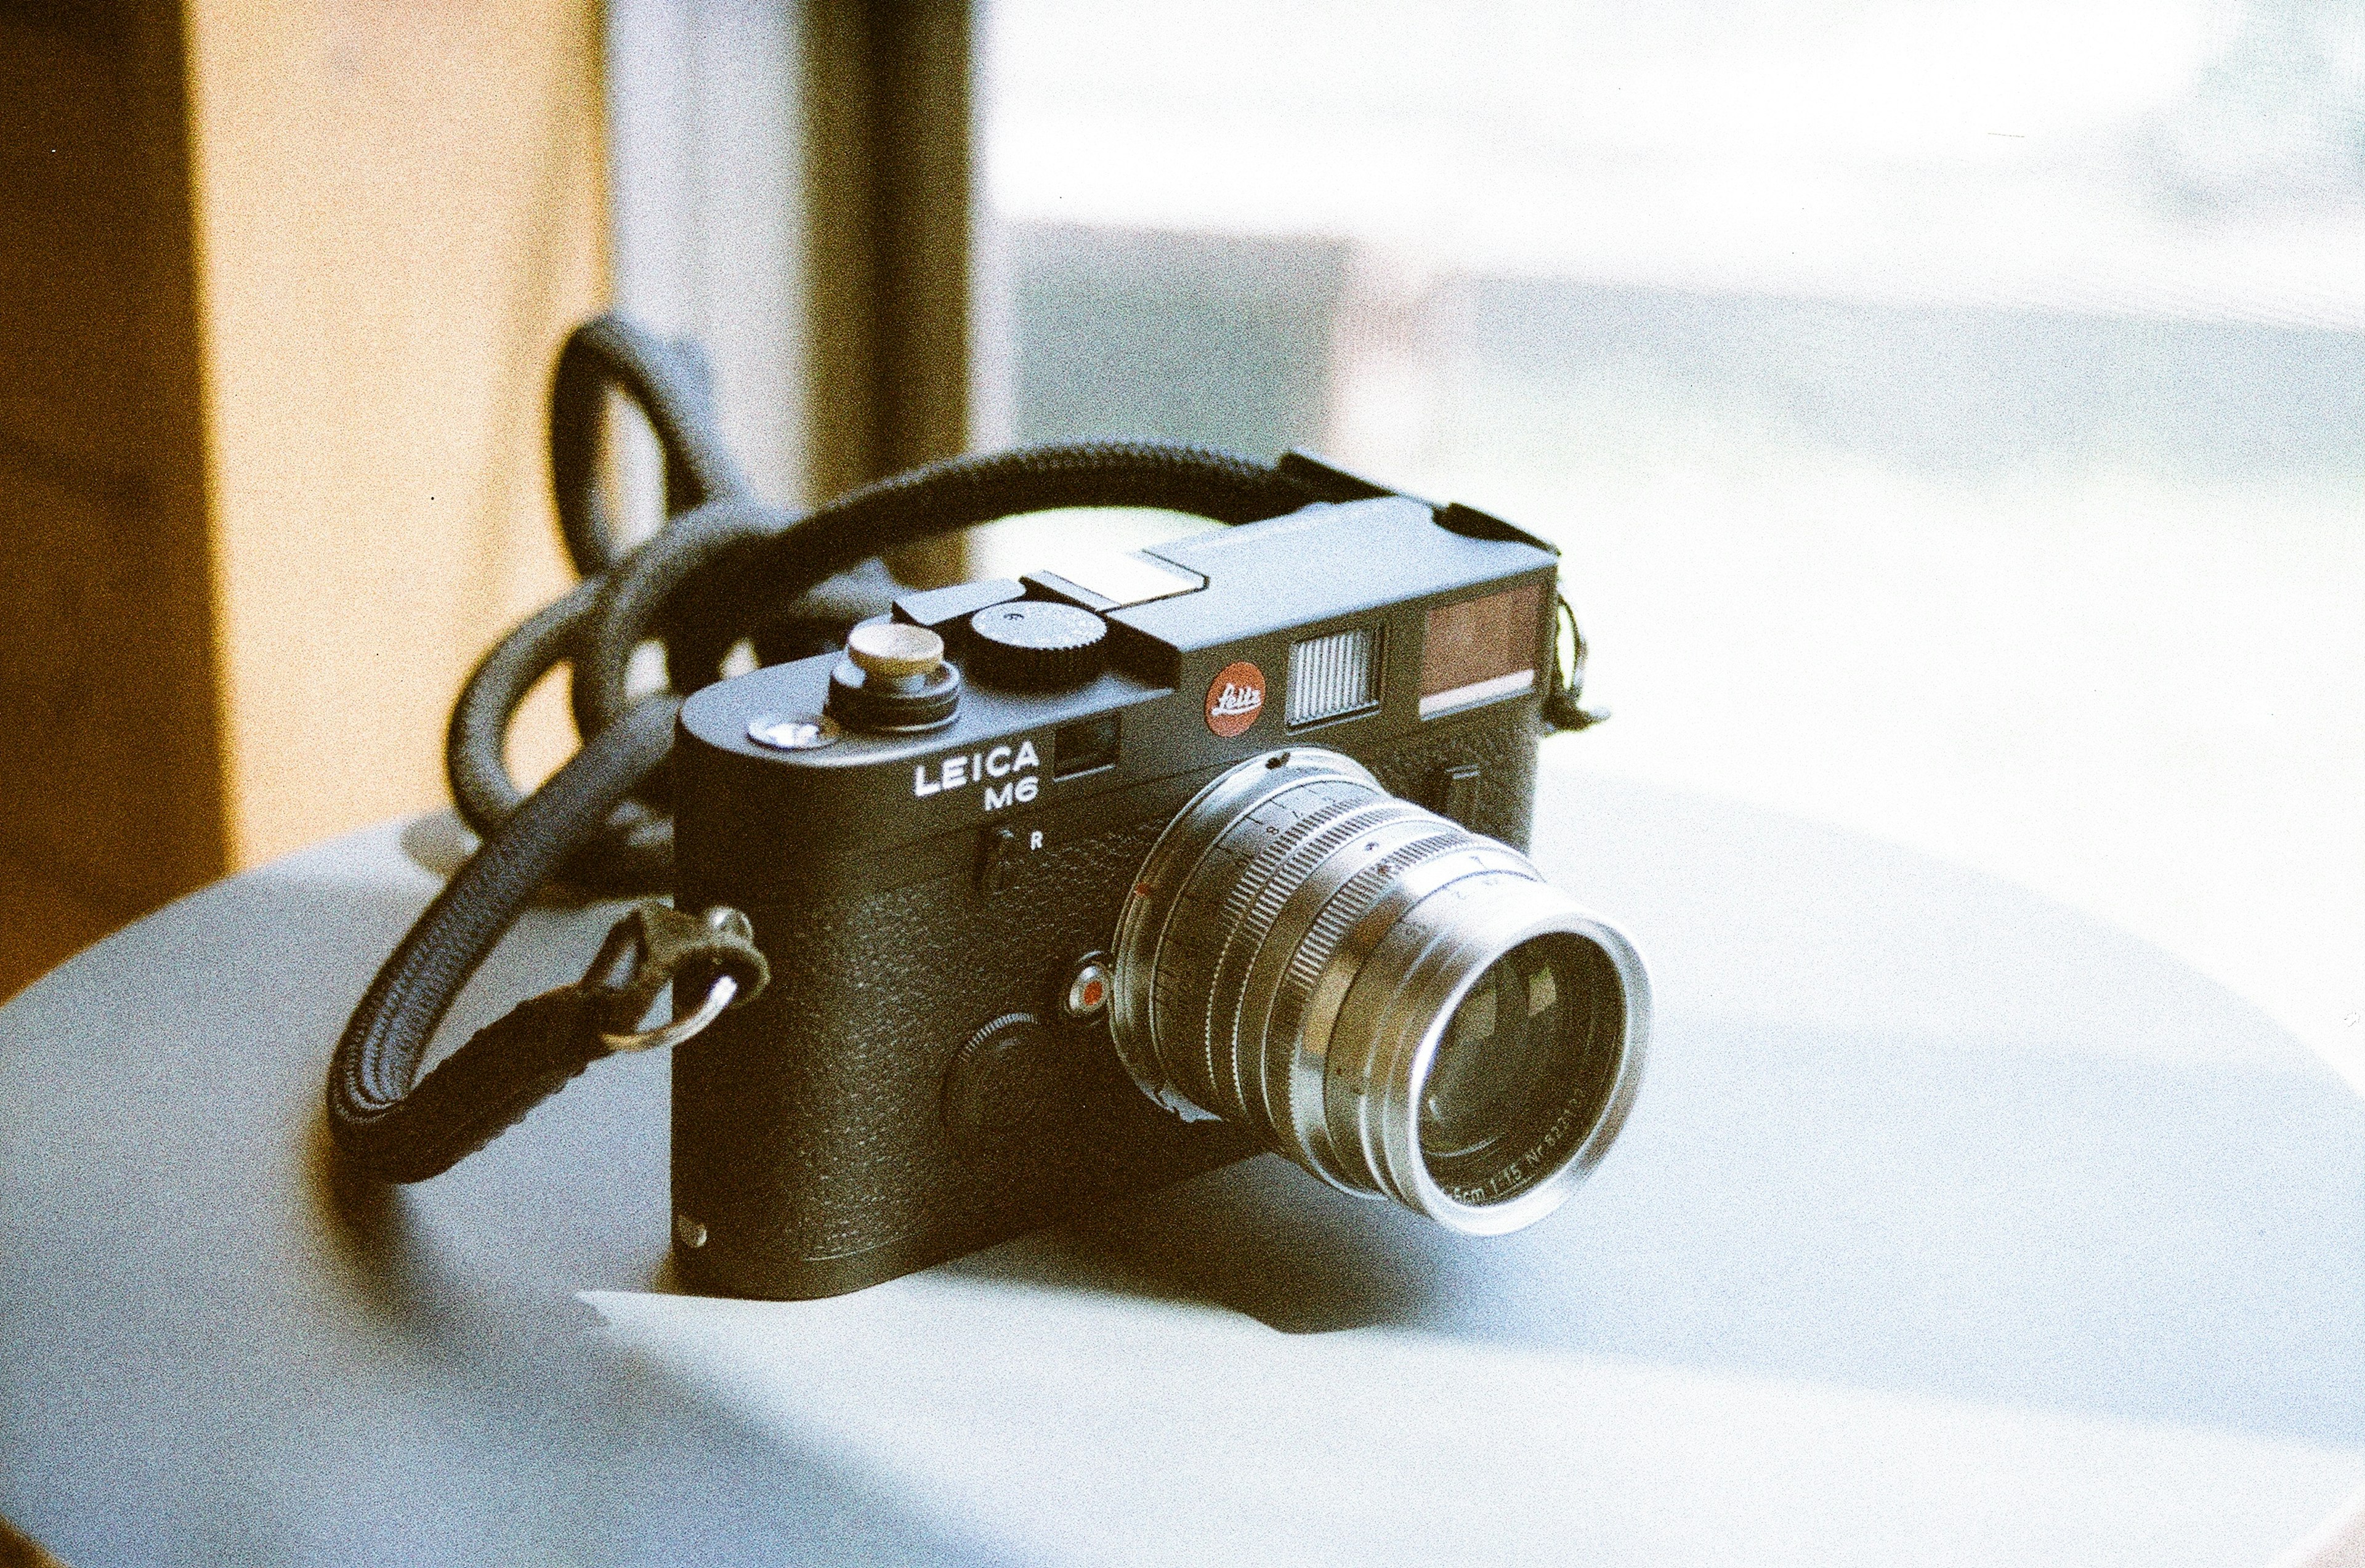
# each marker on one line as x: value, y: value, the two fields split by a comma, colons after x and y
x: 1077, y: 885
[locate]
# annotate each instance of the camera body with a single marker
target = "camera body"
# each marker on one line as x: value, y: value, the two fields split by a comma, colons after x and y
x: 931, y: 1069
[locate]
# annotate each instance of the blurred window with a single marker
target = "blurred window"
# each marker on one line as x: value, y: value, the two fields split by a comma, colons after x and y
x: 1954, y: 414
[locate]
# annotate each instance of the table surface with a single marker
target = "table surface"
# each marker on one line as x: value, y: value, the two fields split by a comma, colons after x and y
x: 1950, y: 1226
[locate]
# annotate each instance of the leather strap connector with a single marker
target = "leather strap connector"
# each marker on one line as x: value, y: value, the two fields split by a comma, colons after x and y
x: 656, y: 946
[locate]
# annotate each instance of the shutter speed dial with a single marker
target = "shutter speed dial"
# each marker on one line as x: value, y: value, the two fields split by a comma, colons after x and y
x: 1036, y: 645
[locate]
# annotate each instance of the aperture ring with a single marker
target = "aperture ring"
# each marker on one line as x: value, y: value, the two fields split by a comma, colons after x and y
x: 1267, y: 1001
x: 1395, y: 893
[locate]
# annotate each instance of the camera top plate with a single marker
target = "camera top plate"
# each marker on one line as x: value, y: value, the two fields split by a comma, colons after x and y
x: 1190, y: 682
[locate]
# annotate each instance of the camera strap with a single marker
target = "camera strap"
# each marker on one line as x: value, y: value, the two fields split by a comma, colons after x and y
x: 724, y: 567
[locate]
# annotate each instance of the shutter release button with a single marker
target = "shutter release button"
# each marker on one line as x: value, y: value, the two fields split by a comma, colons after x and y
x: 893, y: 680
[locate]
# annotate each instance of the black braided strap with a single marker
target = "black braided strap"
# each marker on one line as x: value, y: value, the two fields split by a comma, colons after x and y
x: 403, y: 1131
x: 733, y: 567
x: 665, y: 561
x: 627, y: 853
x: 669, y: 383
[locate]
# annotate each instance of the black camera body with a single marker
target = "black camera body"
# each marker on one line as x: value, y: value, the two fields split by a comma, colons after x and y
x: 937, y: 889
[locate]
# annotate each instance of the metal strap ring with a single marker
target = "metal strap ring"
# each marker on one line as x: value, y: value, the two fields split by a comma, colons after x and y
x: 717, y: 997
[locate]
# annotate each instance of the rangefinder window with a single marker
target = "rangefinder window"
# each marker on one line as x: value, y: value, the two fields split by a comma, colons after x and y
x: 1480, y: 650
x: 1085, y: 747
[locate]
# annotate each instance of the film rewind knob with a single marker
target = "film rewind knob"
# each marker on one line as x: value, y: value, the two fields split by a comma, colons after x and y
x: 1036, y: 645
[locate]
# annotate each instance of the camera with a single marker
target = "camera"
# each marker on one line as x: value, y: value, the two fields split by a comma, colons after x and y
x: 1079, y: 884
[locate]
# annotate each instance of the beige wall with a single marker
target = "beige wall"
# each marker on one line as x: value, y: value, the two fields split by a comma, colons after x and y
x: 397, y: 215
x: 280, y: 288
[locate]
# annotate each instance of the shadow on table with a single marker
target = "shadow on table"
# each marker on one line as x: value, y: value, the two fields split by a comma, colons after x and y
x: 384, y: 1259
x: 1990, y: 1219
x: 602, y: 1451
x: 1261, y: 1238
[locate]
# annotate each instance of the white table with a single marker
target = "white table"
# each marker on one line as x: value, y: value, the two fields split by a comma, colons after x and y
x: 1951, y: 1227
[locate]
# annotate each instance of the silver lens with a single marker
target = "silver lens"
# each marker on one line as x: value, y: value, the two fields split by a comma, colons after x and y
x: 1402, y: 1006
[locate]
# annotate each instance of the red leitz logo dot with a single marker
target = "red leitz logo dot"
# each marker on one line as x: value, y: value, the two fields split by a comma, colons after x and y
x: 1235, y: 698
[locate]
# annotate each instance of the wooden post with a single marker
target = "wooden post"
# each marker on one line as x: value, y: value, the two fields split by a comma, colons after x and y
x: 887, y: 132
x: 280, y: 288
x: 109, y: 735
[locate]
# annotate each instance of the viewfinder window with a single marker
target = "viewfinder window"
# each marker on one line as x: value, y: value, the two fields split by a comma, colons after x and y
x: 1480, y: 650
x: 1085, y: 746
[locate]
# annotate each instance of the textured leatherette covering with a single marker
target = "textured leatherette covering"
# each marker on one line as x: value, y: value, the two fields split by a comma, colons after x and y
x: 1501, y: 742
x: 810, y: 1137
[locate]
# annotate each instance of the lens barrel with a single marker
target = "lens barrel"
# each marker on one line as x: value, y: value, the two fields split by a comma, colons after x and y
x: 1402, y: 1006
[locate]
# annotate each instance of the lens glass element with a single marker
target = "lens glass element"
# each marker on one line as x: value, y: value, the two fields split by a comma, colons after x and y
x: 1524, y: 1064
